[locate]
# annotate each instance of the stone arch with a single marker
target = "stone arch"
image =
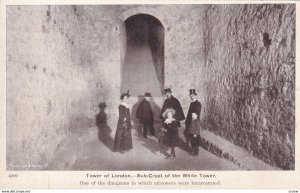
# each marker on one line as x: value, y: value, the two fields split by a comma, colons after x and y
x: 143, y: 10
x: 160, y: 59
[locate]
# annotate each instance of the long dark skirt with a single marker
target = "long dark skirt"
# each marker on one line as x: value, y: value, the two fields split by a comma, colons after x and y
x: 123, y: 140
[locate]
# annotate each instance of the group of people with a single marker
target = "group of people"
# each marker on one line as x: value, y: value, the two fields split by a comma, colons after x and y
x: 171, y: 116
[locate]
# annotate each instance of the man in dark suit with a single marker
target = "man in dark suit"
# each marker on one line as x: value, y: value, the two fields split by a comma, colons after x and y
x: 195, y: 107
x: 145, y: 115
x: 172, y: 102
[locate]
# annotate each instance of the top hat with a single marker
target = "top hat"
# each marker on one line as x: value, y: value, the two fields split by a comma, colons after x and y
x: 147, y: 94
x: 125, y: 94
x: 168, y: 110
x: 193, y: 91
x: 167, y: 90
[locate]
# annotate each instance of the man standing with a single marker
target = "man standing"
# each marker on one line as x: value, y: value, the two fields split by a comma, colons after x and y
x: 145, y: 115
x: 173, y: 103
x: 195, y: 107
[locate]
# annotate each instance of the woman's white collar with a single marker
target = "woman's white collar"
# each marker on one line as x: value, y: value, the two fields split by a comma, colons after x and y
x: 125, y: 105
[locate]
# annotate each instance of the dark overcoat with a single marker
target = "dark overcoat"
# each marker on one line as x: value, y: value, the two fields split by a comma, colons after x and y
x: 123, y: 139
x: 144, y: 112
x: 195, y: 107
x: 173, y: 103
x: 194, y: 127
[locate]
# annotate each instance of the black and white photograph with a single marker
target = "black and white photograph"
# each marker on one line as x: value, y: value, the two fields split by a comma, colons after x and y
x: 150, y: 87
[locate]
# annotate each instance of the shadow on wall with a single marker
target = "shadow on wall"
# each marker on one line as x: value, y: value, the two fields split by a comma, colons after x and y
x: 104, y: 130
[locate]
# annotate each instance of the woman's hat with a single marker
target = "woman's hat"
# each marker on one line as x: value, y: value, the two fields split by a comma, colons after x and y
x: 125, y: 94
x: 168, y: 110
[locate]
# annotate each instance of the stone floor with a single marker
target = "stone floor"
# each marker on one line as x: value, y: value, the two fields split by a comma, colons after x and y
x: 84, y: 151
x: 92, y: 149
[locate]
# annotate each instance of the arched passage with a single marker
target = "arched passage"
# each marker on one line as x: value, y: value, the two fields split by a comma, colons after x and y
x: 142, y: 39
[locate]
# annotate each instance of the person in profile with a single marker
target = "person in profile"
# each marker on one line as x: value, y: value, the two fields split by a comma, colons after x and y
x: 170, y: 128
x: 145, y: 115
x: 123, y: 139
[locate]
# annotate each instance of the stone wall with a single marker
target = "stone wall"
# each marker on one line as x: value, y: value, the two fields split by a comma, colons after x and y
x: 184, y: 53
x: 250, y: 78
x: 58, y: 71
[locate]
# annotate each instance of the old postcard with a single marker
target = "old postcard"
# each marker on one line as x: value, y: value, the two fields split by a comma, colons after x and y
x: 149, y: 94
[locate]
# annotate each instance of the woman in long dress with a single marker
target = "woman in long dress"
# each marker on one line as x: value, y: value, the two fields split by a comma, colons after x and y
x: 123, y: 139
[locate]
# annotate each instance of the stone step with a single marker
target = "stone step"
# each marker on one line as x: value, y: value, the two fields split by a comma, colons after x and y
x: 239, y: 156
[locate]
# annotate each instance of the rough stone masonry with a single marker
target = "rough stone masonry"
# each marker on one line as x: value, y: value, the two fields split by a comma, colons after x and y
x: 62, y: 61
x: 250, y: 78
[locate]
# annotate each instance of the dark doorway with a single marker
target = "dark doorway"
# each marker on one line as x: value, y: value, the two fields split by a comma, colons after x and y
x: 142, y: 55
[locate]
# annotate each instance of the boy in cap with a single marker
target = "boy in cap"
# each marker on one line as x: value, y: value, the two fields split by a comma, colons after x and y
x: 194, y: 134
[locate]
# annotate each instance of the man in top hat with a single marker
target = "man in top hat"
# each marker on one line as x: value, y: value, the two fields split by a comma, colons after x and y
x: 195, y: 107
x: 172, y: 102
x: 145, y: 115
